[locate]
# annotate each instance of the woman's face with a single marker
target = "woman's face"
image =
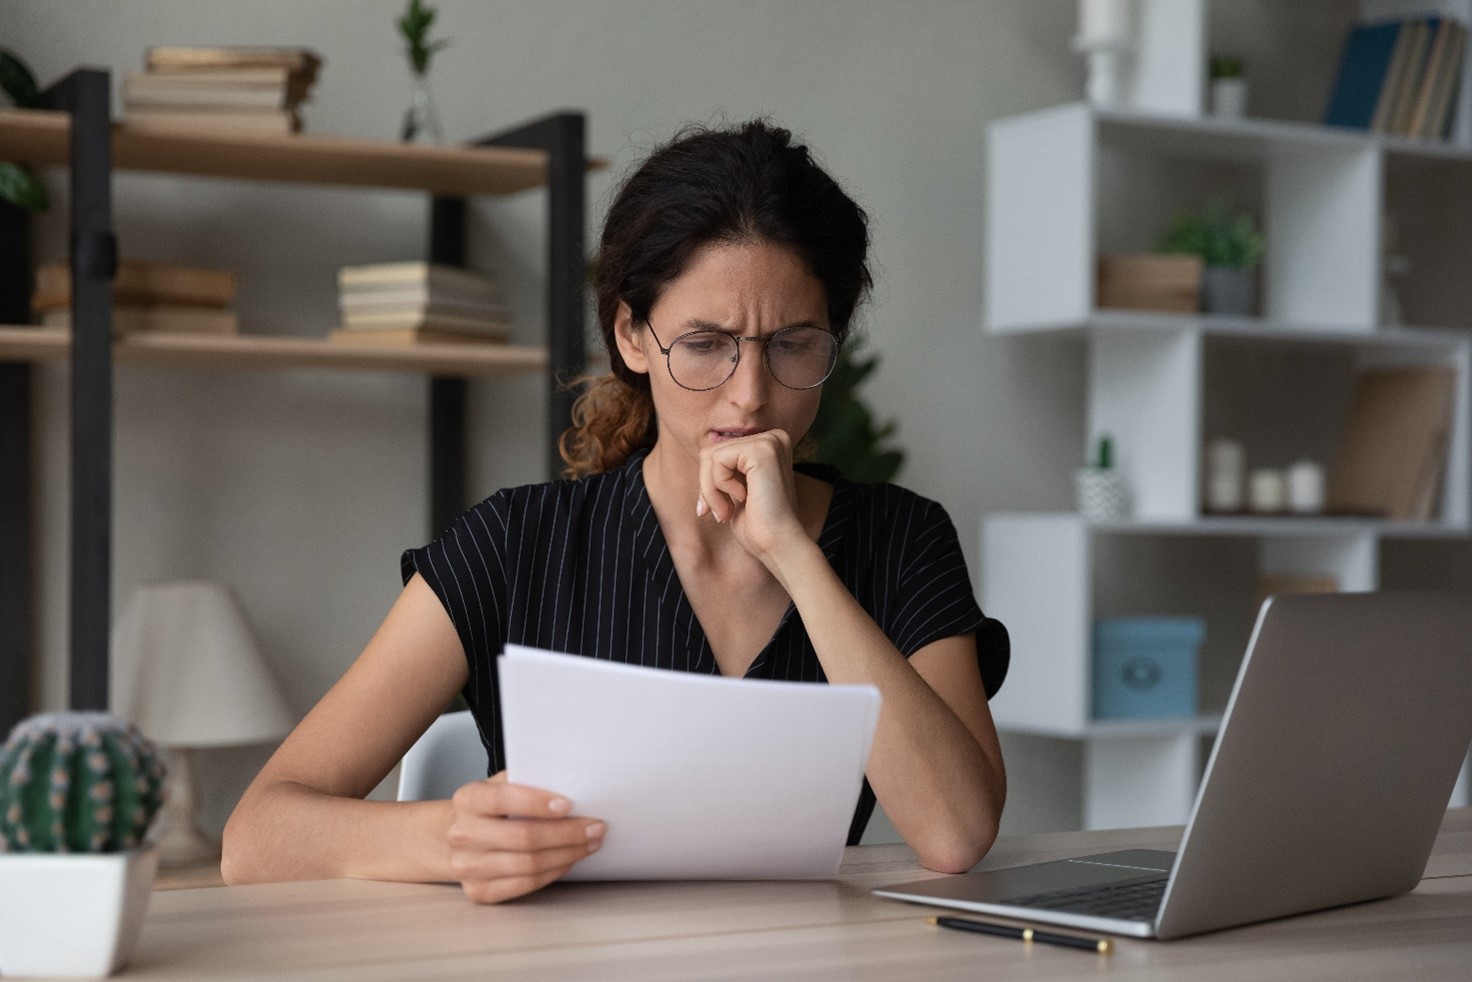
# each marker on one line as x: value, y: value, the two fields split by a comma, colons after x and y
x: 745, y: 289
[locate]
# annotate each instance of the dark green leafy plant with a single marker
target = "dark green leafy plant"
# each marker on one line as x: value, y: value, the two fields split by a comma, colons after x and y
x: 414, y: 26
x: 1218, y: 234
x: 845, y: 431
x: 18, y: 184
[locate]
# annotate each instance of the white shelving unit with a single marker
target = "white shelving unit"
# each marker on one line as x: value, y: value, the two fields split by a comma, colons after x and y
x: 1071, y: 183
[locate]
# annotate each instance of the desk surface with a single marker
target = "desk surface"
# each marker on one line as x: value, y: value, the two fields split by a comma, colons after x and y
x: 346, y: 929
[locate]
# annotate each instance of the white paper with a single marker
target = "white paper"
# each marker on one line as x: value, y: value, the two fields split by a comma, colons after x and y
x: 697, y: 776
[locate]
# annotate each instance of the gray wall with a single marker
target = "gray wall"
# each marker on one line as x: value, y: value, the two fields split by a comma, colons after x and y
x: 299, y: 488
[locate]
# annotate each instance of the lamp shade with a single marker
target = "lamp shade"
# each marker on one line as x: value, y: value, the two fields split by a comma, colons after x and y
x: 187, y: 670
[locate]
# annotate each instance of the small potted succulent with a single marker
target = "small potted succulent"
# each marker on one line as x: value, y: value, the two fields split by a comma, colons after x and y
x: 78, y: 792
x: 1230, y: 245
x: 1228, y: 87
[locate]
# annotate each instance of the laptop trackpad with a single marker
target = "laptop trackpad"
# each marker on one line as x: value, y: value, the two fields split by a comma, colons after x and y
x: 995, y: 886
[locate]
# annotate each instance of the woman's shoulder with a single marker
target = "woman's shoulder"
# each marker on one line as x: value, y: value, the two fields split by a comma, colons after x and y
x: 550, y: 499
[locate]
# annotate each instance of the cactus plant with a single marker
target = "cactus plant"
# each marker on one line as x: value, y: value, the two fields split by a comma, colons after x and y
x: 77, y: 782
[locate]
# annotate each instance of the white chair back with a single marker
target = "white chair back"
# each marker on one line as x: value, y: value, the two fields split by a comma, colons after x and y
x: 448, y: 755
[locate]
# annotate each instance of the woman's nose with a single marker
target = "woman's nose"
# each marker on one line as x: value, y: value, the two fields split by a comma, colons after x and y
x: 748, y: 384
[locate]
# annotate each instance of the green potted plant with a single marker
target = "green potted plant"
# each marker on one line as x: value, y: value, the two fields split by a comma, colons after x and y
x: 1229, y: 245
x: 1228, y: 86
x: 78, y: 792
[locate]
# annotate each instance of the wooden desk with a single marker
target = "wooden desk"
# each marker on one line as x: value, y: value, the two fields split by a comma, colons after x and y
x: 344, y: 929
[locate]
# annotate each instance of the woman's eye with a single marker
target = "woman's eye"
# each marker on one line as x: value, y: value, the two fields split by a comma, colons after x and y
x: 701, y: 346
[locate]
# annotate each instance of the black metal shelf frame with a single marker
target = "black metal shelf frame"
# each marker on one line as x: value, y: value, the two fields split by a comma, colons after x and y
x: 84, y: 94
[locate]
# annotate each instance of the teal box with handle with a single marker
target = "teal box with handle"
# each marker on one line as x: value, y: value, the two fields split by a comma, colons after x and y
x: 1145, y: 667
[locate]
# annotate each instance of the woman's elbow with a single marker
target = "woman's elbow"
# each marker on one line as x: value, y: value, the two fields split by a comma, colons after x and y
x: 241, y: 852
x: 959, y: 844
x: 237, y: 862
x: 958, y: 854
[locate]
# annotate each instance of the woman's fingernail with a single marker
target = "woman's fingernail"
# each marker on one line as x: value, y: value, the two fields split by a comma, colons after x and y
x: 699, y: 507
x: 595, y: 845
x: 596, y: 830
x: 559, y: 806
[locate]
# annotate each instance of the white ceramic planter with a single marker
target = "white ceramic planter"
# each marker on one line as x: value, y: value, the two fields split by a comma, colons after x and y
x: 1102, y: 495
x: 74, y: 915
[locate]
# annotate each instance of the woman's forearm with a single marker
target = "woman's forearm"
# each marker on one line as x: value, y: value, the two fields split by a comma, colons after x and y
x: 288, y: 831
x: 937, y: 784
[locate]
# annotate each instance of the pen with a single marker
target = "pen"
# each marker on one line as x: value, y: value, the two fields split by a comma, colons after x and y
x: 1102, y: 945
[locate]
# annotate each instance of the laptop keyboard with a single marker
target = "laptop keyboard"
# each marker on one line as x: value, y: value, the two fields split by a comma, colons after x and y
x: 1134, y: 901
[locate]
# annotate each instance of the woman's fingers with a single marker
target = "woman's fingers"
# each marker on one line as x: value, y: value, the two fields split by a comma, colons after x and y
x: 720, y: 504
x: 499, y: 865
x: 521, y: 835
x: 508, y: 840
x: 725, y: 470
x: 494, y: 796
x: 723, y: 480
x: 497, y: 891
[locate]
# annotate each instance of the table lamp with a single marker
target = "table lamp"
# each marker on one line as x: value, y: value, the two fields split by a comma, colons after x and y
x: 187, y: 670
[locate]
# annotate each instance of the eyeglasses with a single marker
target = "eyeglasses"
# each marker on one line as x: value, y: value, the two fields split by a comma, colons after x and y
x: 797, y: 357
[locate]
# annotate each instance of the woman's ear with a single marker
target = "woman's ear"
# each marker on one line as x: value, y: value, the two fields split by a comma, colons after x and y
x: 629, y: 338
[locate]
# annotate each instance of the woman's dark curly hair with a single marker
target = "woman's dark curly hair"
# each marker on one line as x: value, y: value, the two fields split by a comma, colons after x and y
x: 749, y: 183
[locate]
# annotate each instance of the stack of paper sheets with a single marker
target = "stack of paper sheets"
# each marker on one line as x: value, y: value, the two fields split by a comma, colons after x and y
x: 697, y: 776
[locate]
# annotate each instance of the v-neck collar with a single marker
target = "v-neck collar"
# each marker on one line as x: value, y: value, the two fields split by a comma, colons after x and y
x: 659, y: 565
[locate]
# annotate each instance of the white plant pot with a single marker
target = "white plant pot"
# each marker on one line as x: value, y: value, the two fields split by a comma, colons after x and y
x: 1102, y: 495
x: 1229, y: 97
x: 72, y: 915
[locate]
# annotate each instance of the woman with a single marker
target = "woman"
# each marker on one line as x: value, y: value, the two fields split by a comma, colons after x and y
x: 728, y: 274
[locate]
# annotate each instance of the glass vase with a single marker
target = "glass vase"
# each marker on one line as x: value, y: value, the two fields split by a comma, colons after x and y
x: 422, y: 119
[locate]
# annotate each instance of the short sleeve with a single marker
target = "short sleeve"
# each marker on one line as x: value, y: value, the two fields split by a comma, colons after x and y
x: 933, y: 593
x: 465, y: 567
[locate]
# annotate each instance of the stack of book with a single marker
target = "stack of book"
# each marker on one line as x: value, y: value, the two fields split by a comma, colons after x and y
x: 1402, y: 77
x: 414, y: 302
x: 148, y: 297
x: 237, y: 89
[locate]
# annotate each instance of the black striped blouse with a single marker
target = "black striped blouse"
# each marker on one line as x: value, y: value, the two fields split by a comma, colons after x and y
x: 582, y: 567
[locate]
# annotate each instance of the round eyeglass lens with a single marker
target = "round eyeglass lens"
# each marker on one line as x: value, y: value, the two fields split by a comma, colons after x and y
x: 798, y: 357
x: 801, y: 357
x: 703, y: 360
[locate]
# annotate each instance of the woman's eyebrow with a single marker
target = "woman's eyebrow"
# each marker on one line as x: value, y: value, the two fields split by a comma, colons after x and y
x: 696, y: 324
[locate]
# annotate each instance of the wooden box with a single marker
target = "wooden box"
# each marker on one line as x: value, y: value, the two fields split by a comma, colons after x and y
x: 1162, y: 282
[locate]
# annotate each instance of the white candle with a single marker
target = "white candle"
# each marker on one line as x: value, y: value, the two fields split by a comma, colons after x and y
x: 1225, y: 464
x: 1306, y: 488
x: 1265, y: 492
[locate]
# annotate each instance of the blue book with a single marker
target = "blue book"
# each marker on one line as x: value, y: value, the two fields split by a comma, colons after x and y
x: 1363, y: 67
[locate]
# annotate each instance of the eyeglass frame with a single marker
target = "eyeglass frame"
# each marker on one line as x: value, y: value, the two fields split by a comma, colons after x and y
x: 766, y: 340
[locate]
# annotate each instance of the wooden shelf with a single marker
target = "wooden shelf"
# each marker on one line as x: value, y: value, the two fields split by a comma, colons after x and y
x: 272, y: 351
x: 42, y: 137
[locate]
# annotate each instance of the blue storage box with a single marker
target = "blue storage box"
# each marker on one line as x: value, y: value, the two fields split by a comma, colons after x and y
x: 1145, y: 667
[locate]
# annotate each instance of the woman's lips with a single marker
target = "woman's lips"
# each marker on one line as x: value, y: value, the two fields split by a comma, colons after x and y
x: 720, y: 436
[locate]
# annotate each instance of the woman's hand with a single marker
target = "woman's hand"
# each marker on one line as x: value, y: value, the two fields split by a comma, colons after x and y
x: 748, y: 484
x: 508, y: 840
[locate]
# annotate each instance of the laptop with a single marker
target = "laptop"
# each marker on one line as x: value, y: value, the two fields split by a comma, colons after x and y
x: 1337, y: 755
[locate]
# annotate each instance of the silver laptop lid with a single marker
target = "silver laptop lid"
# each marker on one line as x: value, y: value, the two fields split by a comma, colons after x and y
x: 1341, y: 743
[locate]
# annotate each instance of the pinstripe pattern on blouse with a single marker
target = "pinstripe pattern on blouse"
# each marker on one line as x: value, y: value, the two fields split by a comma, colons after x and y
x: 582, y: 567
